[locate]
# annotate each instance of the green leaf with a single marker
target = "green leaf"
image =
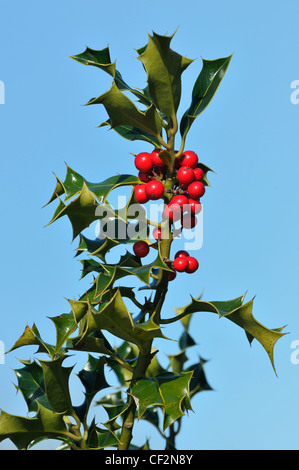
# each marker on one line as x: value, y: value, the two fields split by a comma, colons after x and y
x: 114, y: 412
x: 123, y: 112
x: 81, y: 211
x: 166, y: 158
x: 132, y: 133
x: 198, y: 381
x: 74, y: 182
x: 143, y: 272
x: 92, y: 376
x: 22, y: 431
x: 164, y: 68
x: 58, y: 191
x: 65, y: 325
x: 204, y: 89
x: 94, y: 343
x: 128, y: 265
x: 115, y: 318
x: 31, y: 337
x: 56, y: 379
x: 31, y: 385
x: 240, y: 314
x: 177, y: 361
x: 101, y: 59
x: 169, y: 391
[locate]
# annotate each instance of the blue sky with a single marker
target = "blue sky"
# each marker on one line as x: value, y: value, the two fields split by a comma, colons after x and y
x: 248, y: 136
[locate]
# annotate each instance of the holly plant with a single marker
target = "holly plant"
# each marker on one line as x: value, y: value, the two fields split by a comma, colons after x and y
x: 170, y: 174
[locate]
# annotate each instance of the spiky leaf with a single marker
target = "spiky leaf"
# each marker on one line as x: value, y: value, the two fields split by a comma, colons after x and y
x: 240, y: 314
x: 22, y: 431
x: 164, y: 68
x: 169, y: 391
x: 204, y: 89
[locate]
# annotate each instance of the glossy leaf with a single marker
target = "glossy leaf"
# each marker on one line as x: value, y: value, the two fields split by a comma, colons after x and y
x: 22, y: 431
x: 31, y: 385
x: 123, y: 112
x: 169, y: 391
x: 204, y: 90
x: 74, y: 182
x: 115, y: 318
x: 65, y: 325
x: 31, y: 337
x: 92, y: 376
x: 164, y: 68
x: 240, y: 314
x: 101, y: 59
x: 94, y: 343
x: 81, y: 211
x: 198, y: 381
x: 56, y: 379
x: 132, y: 133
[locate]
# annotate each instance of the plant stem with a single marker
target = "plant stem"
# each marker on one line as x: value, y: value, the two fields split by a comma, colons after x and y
x: 144, y: 360
x: 145, y: 354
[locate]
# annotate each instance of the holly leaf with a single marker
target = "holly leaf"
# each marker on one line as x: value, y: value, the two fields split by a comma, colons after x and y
x: 74, y: 182
x: 164, y: 68
x: 81, y: 211
x: 32, y: 337
x: 22, y: 431
x: 92, y: 376
x: 114, y: 317
x: 198, y: 381
x: 204, y: 90
x: 101, y: 59
x: 132, y: 133
x: 240, y: 314
x: 123, y: 112
x: 58, y: 191
x: 31, y: 385
x: 56, y: 378
x: 169, y: 392
x: 166, y: 158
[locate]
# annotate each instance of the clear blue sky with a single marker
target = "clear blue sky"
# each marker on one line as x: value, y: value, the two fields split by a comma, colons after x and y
x: 248, y: 135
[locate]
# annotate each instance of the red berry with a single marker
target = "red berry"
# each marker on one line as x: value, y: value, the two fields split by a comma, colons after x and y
x: 198, y: 174
x: 181, y: 200
x: 144, y: 176
x: 195, y: 206
x: 189, y: 158
x: 189, y: 221
x: 141, y: 249
x: 140, y: 194
x: 156, y: 159
x: 168, y: 213
x: 192, y: 265
x: 157, y: 233
x: 143, y: 162
x: 154, y: 189
x: 181, y: 253
x: 172, y: 276
x: 196, y: 189
x: 180, y: 264
x: 172, y: 212
x: 185, y: 175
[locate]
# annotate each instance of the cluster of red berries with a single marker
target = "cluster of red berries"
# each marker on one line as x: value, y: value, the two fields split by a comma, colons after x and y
x: 151, y: 188
x: 191, y: 186
x: 188, y: 189
x: 183, y: 263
